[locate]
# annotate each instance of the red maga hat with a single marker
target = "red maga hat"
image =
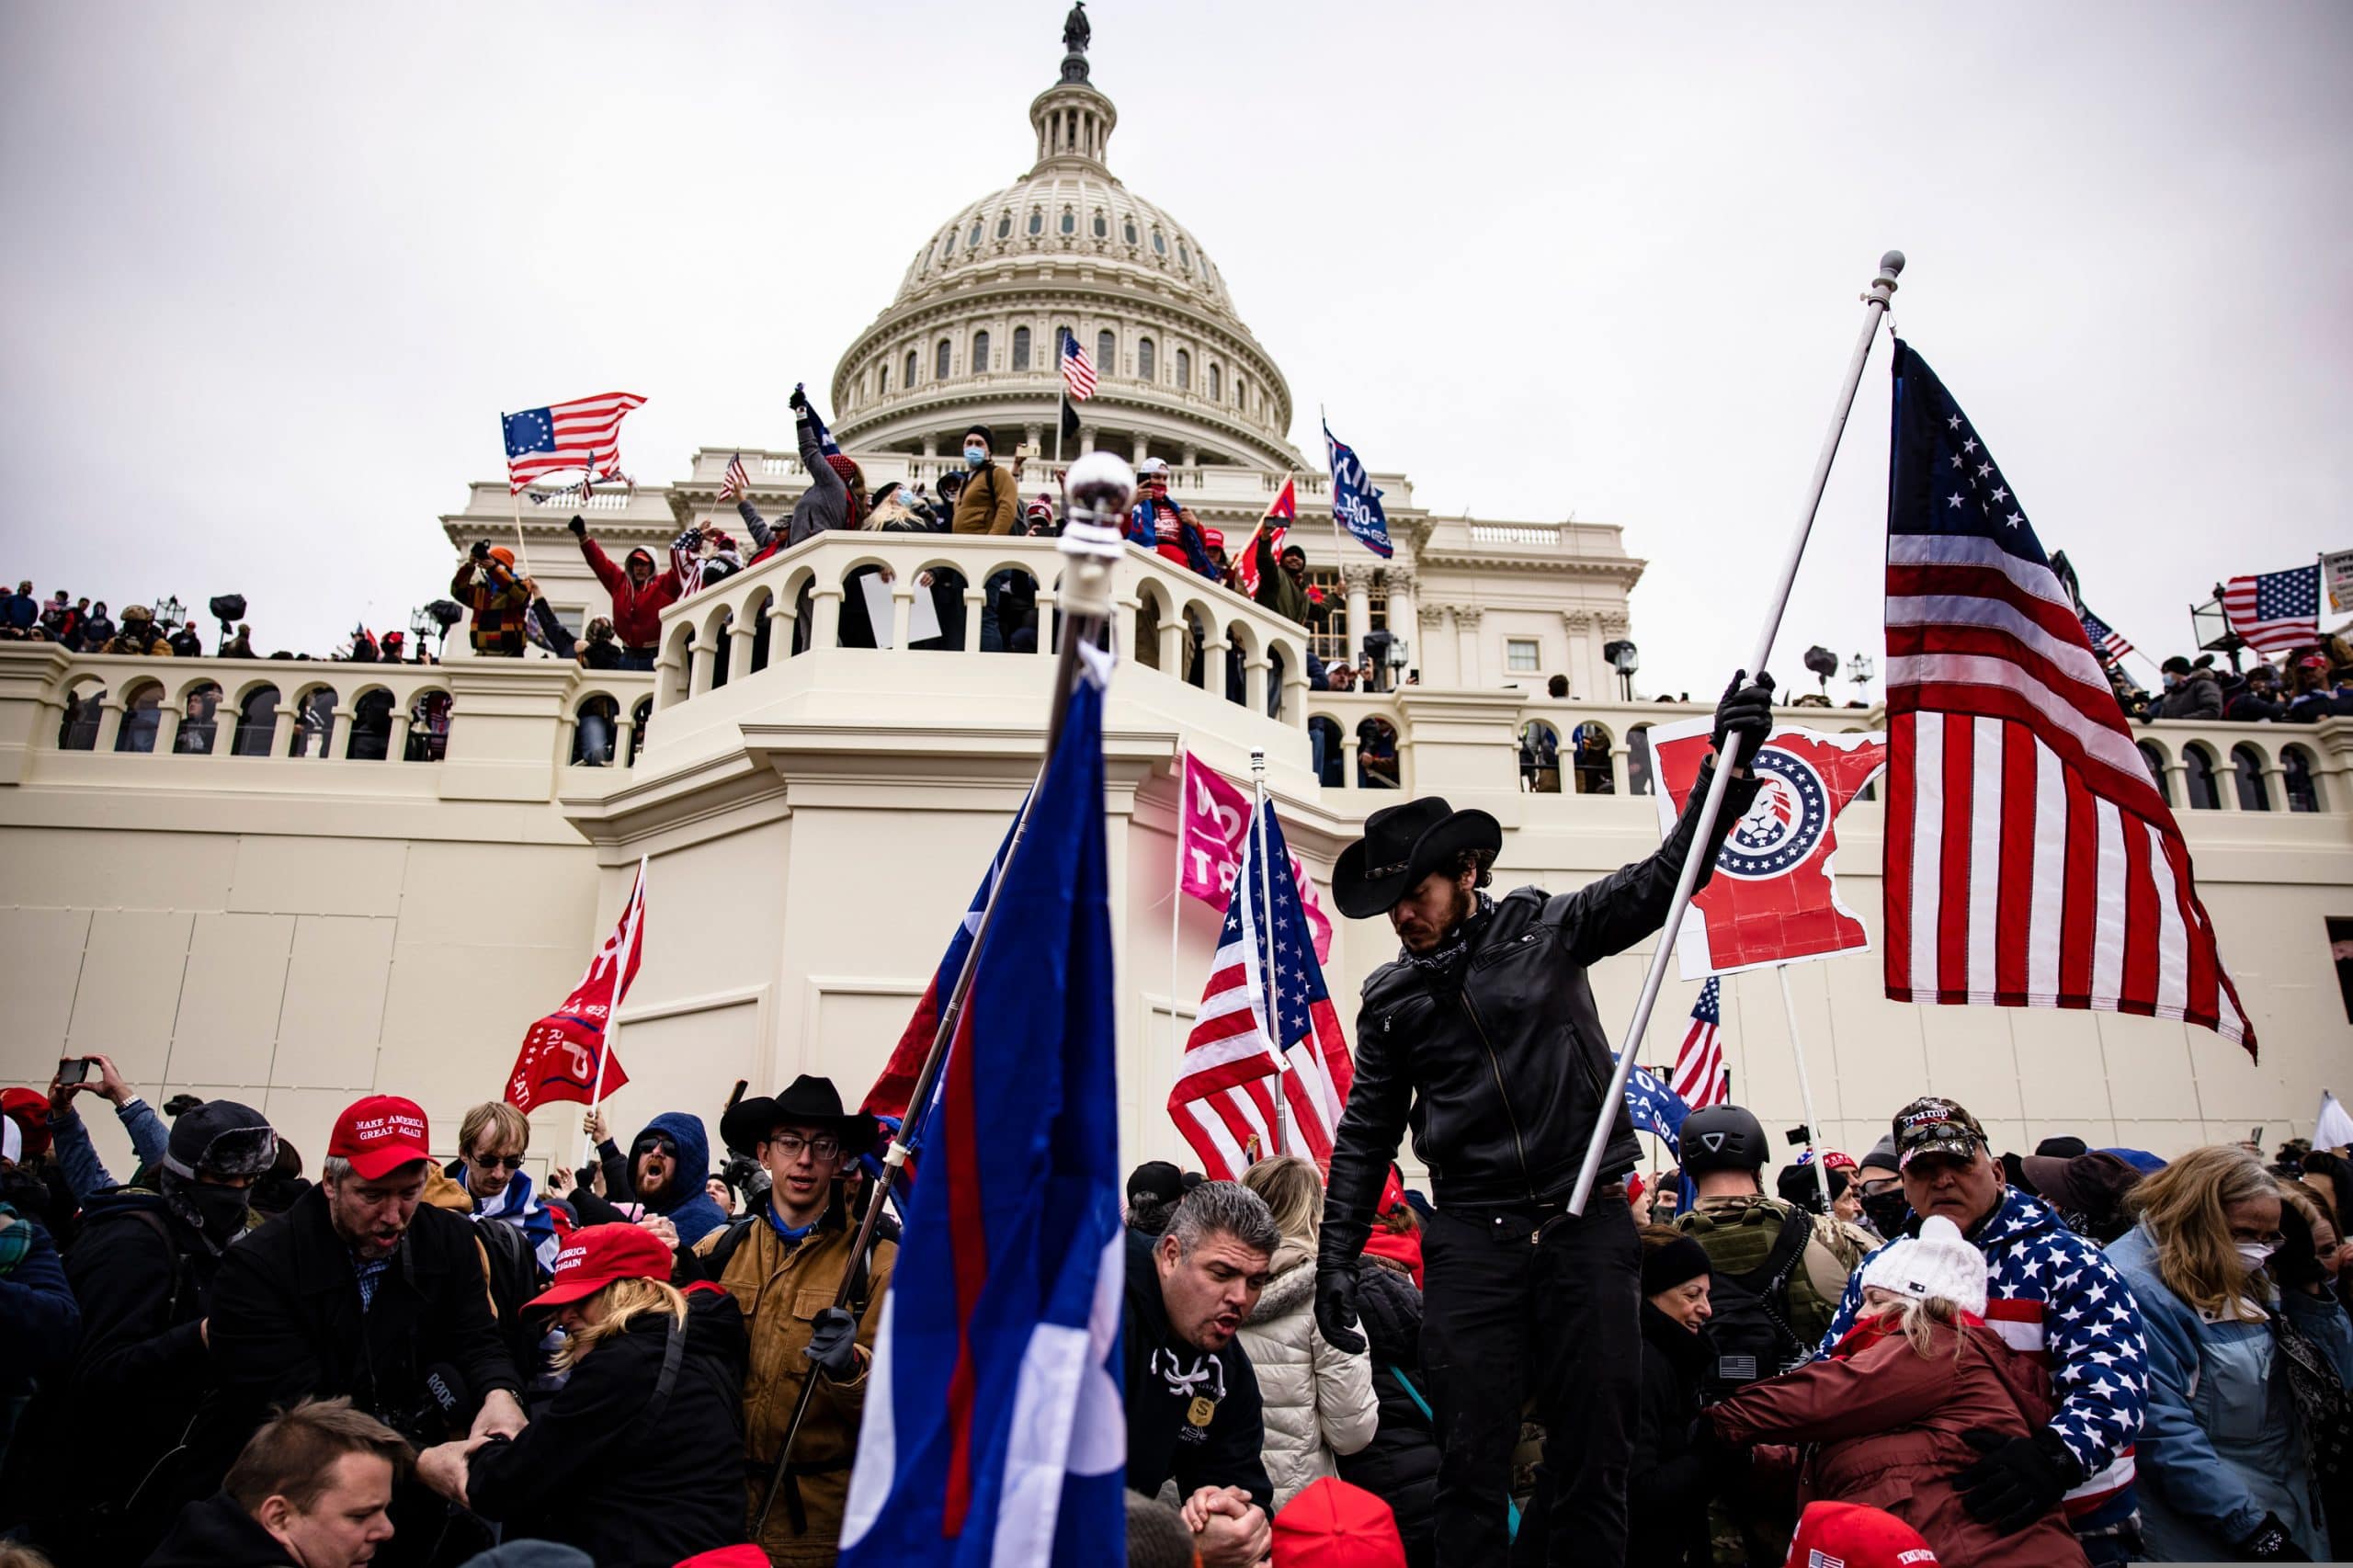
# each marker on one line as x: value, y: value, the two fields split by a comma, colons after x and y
x: 380, y: 1134
x: 597, y: 1255
x: 1860, y: 1538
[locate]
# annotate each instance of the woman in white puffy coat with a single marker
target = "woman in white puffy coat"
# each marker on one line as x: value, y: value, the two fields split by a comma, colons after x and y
x: 1319, y: 1404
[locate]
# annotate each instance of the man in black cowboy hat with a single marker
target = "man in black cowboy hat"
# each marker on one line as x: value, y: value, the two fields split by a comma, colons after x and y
x: 778, y: 1262
x: 1483, y: 1037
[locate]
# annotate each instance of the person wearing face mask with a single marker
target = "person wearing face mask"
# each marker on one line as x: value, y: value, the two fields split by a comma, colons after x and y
x: 990, y: 502
x: 1159, y: 525
x: 2191, y: 691
x: 2239, y: 1327
x: 143, y: 1269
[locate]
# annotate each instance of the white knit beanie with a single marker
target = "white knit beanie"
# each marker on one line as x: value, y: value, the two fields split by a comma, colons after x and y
x: 1936, y: 1262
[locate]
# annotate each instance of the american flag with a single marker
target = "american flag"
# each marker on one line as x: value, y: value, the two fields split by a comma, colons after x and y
x: 585, y: 434
x: 2275, y: 610
x: 2030, y: 861
x: 731, y: 487
x: 1222, y: 1102
x: 1699, y: 1079
x: 1078, y: 370
x: 2106, y: 640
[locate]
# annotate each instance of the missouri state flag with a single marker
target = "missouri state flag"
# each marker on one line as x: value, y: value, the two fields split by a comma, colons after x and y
x: 994, y: 1431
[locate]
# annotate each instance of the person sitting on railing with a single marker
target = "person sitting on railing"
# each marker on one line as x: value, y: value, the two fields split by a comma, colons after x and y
x: 990, y: 500
x: 486, y: 585
x: 2191, y: 691
x: 640, y: 591
x: 1161, y: 526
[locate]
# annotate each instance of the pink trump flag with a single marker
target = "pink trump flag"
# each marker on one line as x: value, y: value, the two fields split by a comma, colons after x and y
x: 1214, y: 828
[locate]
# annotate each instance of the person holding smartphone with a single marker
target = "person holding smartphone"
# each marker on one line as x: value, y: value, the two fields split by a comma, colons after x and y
x: 78, y: 1158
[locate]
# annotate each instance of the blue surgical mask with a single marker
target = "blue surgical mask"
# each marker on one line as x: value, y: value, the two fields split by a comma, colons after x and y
x: 906, y: 498
x: 976, y: 456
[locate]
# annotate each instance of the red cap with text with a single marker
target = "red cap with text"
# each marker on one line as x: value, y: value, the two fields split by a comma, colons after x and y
x: 380, y: 1134
x: 598, y: 1255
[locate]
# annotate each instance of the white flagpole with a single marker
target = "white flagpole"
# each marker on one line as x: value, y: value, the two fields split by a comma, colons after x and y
x: 1876, y: 301
x: 1805, y: 1088
x: 1265, y: 929
x: 631, y: 933
x: 1177, y: 889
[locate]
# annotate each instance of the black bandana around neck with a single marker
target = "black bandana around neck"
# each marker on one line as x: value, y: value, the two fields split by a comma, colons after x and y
x: 1442, y: 959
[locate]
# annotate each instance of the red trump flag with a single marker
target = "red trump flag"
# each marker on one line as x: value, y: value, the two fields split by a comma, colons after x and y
x: 562, y: 1053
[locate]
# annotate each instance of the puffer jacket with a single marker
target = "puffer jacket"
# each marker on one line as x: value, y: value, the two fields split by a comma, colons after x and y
x: 637, y: 611
x: 1399, y: 1465
x: 1500, y: 1065
x: 1318, y: 1403
x: 1888, y: 1422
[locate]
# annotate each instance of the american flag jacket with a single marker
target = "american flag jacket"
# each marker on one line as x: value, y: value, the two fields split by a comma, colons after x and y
x: 2051, y: 1294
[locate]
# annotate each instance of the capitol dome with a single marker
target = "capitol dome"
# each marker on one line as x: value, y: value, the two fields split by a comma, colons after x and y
x: 972, y: 334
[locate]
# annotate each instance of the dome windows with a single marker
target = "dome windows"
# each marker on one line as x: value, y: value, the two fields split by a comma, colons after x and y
x: 1184, y: 256
x: 946, y: 245
x: 1128, y: 229
x: 1159, y: 242
x: 972, y: 240
x: 1037, y: 220
x: 1214, y: 380
x: 980, y: 352
x: 1020, y: 347
x: 1102, y: 226
x: 1070, y: 222
x: 1242, y: 393
x: 882, y: 380
x: 1107, y: 353
x: 1184, y: 371
x: 1145, y: 368
x: 908, y: 381
x: 940, y: 358
x: 1005, y: 225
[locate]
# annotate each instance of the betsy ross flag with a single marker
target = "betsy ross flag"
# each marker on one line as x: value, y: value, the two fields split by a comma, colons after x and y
x: 584, y: 434
x: 993, y: 1431
x: 733, y: 485
x: 560, y: 1053
x: 2274, y: 611
x: 1078, y: 370
x: 1275, y: 525
x: 1261, y: 1004
x: 1699, y: 1079
x: 2029, y: 860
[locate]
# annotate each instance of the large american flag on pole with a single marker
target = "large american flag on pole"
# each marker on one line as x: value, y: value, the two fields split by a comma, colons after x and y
x: 582, y: 434
x: 2030, y: 861
x: 1699, y: 1079
x: 2274, y: 611
x: 1078, y: 370
x: 1258, y: 1004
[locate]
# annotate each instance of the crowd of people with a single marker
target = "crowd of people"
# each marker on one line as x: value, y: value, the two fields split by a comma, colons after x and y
x: 2306, y: 686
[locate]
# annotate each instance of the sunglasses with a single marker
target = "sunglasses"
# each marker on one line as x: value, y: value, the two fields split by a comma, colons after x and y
x: 497, y: 1161
x: 655, y: 1145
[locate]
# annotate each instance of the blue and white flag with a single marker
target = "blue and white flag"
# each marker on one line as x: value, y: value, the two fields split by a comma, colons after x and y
x: 1354, y: 500
x: 826, y: 443
x: 1656, y: 1109
x: 994, y: 1432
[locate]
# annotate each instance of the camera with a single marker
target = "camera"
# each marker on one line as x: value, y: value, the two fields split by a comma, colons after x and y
x: 480, y: 552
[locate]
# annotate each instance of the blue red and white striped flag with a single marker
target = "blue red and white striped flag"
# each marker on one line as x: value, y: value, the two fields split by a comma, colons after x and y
x: 993, y: 1431
x: 2275, y: 611
x: 734, y: 481
x: 1078, y: 370
x: 1251, y: 1017
x: 2106, y: 640
x: 584, y: 434
x: 1700, y: 1077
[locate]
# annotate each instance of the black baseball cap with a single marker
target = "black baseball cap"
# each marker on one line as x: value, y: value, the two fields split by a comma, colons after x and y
x: 1154, y: 1181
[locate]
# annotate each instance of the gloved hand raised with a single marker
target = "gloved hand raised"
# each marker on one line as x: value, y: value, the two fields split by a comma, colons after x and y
x: 833, y: 1344
x: 1335, y: 1309
x: 798, y: 401
x: 2019, y: 1480
x: 579, y: 526
x: 1745, y: 717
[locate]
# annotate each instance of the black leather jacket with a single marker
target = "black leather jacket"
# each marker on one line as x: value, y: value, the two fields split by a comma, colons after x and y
x: 1500, y: 1068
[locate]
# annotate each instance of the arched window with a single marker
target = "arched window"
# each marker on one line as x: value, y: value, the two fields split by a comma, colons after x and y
x: 1540, y: 758
x: 257, y: 718
x: 1037, y: 220
x: 1242, y: 393
x: 2155, y: 760
x: 2296, y: 771
x: 1144, y: 359
x: 313, y: 724
x: 972, y: 240
x: 1102, y: 226
x: 143, y: 718
x: 1324, y: 735
x: 1638, y: 760
x: 1004, y: 226
x: 1128, y: 229
x: 1184, y: 369
x: 1159, y: 243
x: 1070, y: 222
x: 78, y: 730
x: 909, y: 380
x: 1184, y: 256
x: 2203, y: 794
x: 2247, y: 763
x: 882, y: 380
x: 1376, y: 753
x: 1020, y: 347
x: 371, y: 727
x: 640, y: 717
x: 428, y: 727
x: 980, y: 353
x: 1216, y: 390
x: 1107, y: 354
x: 940, y: 361
x: 202, y: 724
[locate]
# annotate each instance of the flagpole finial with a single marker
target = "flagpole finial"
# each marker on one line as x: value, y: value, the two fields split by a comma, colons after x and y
x: 1883, y: 286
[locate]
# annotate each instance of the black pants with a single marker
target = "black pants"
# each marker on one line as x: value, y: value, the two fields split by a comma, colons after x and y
x: 1532, y: 1309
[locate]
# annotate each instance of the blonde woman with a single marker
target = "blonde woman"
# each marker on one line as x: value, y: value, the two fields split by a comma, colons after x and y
x: 1319, y: 1403
x: 1917, y: 1392
x: 2229, y: 1288
x: 633, y: 1460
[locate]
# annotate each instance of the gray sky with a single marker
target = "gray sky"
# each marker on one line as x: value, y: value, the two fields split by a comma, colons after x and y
x: 269, y: 271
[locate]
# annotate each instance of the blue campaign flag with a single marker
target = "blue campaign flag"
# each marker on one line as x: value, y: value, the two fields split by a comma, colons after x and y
x: 1354, y: 500
x: 826, y: 443
x: 993, y: 1431
x: 1656, y: 1108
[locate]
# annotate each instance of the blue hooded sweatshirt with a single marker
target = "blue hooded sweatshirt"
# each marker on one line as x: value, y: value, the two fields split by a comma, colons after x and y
x: 690, y: 1208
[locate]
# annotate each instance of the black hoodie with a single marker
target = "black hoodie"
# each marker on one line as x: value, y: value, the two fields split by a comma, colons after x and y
x: 1166, y: 1375
x: 216, y: 1533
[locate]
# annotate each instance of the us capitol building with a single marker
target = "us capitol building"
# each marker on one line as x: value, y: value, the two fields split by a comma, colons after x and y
x: 296, y: 884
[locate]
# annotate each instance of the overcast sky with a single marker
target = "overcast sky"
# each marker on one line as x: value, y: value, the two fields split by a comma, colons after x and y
x: 269, y: 271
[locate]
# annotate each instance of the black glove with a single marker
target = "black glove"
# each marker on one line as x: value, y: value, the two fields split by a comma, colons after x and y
x: 579, y: 526
x: 1745, y: 716
x: 1335, y: 1309
x: 833, y: 1344
x: 2271, y: 1543
x: 2019, y: 1480
x: 798, y: 401
x: 2296, y: 1265
x: 480, y: 552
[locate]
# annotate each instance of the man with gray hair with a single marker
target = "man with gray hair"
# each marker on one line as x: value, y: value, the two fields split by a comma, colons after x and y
x: 1193, y: 1410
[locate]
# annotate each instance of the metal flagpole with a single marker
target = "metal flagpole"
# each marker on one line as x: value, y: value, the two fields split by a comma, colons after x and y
x: 1264, y: 926
x: 1176, y: 887
x: 1805, y: 1088
x: 635, y: 932
x: 1876, y: 301
x: 1098, y: 489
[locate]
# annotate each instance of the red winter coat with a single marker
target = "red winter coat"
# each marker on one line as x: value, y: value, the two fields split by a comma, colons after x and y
x: 637, y: 612
x: 1888, y: 1422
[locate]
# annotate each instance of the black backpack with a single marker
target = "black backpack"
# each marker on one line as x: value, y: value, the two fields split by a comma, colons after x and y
x: 1749, y: 1336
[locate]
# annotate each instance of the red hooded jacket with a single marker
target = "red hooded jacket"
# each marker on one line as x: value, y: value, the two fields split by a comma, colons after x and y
x: 637, y: 612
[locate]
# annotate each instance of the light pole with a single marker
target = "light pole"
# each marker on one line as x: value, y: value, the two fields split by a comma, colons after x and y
x: 169, y: 610
x: 1625, y: 660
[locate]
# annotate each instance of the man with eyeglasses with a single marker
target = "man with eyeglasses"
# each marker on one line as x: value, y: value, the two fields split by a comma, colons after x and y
x: 784, y: 1263
x: 491, y: 1144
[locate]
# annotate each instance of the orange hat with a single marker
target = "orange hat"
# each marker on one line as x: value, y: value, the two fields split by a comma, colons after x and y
x: 503, y: 555
x: 1860, y: 1538
x: 1334, y: 1524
